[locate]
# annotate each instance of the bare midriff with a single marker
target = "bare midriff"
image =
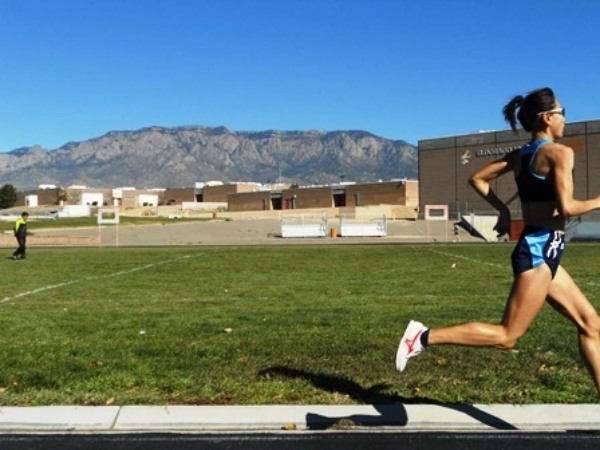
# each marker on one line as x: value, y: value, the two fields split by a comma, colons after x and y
x: 543, y: 215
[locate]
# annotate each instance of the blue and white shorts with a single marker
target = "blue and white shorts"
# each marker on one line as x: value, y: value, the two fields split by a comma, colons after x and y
x: 538, y: 246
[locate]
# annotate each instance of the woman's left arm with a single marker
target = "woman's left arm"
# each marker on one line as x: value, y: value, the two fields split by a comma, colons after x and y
x: 563, y: 160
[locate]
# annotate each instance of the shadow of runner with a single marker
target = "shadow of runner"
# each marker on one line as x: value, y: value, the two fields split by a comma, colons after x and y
x: 390, y: 407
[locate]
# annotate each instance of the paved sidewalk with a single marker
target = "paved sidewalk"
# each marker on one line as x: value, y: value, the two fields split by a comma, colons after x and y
x: 278, y: 418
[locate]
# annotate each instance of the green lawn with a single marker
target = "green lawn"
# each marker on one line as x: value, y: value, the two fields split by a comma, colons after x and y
x: 274, y: 325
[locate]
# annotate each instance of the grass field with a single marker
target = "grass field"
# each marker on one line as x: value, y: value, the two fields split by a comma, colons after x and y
x: 274, y: 325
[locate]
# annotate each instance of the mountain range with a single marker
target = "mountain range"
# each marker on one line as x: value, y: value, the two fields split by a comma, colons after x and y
x: 180, y: 156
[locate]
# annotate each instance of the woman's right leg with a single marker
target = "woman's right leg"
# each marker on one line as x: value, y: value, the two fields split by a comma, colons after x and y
x: 567, y: 298
x: 526, y: 298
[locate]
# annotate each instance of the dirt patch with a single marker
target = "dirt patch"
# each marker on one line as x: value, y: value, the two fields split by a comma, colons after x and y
x: 8, y: 240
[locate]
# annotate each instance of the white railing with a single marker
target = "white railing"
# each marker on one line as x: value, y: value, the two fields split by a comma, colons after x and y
x: 357, y: 227
x: 302, y: 227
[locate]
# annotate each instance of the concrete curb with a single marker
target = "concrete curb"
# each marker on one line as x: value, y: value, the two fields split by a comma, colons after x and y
x: 275, y: 418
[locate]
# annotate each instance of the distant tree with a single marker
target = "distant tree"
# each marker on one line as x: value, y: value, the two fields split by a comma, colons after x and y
x: 61, y: 194
x: 8, y: 196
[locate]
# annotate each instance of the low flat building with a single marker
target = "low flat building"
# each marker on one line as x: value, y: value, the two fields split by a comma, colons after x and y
x: 45, y: 197
x: 176, y: 196
x: 400, y: 192
x: 219, y: 193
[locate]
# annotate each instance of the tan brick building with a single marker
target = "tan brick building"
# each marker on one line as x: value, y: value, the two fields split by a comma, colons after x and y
x: 445, y: 165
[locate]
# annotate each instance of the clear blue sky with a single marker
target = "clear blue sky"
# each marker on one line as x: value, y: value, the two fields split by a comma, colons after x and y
x: 72, y: 70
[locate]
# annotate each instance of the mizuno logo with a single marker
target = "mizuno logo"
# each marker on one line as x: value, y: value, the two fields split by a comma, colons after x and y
x: 411, y: 342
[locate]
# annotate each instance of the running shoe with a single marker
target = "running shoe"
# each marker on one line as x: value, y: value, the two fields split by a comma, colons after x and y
x: 410, y: 344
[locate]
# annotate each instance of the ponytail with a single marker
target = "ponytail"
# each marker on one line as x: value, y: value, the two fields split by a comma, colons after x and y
x: 510, y: 111
x: 525, y: 110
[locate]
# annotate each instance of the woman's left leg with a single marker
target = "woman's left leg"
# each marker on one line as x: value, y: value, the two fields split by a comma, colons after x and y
x: 566, y: 297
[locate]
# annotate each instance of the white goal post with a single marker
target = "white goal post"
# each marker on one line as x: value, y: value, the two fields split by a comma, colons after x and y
x: 108, y: 216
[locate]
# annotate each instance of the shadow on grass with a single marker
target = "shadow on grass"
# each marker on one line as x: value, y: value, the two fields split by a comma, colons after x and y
x: 389, y: 406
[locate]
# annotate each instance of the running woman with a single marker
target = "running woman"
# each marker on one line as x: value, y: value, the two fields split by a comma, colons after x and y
x: 543, y: 171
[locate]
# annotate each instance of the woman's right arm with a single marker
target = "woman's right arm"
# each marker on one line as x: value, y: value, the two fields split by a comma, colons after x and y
x: 480, y: 181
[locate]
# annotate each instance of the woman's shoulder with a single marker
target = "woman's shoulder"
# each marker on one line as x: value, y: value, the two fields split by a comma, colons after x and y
x: 556, y: 147
x: 554, y: 144
x: 558, y: 153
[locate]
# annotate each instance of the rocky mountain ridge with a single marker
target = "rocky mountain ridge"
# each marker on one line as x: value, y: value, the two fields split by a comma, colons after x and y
x: 180, y: 156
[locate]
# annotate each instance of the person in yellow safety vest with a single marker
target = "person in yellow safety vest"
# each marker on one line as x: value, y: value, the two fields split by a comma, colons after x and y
x: 21, y: 235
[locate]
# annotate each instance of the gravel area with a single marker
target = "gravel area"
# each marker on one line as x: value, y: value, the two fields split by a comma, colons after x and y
x: 225, y: 232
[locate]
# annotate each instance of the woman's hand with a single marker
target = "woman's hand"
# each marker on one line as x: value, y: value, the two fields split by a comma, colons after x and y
x: 502, y: 226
